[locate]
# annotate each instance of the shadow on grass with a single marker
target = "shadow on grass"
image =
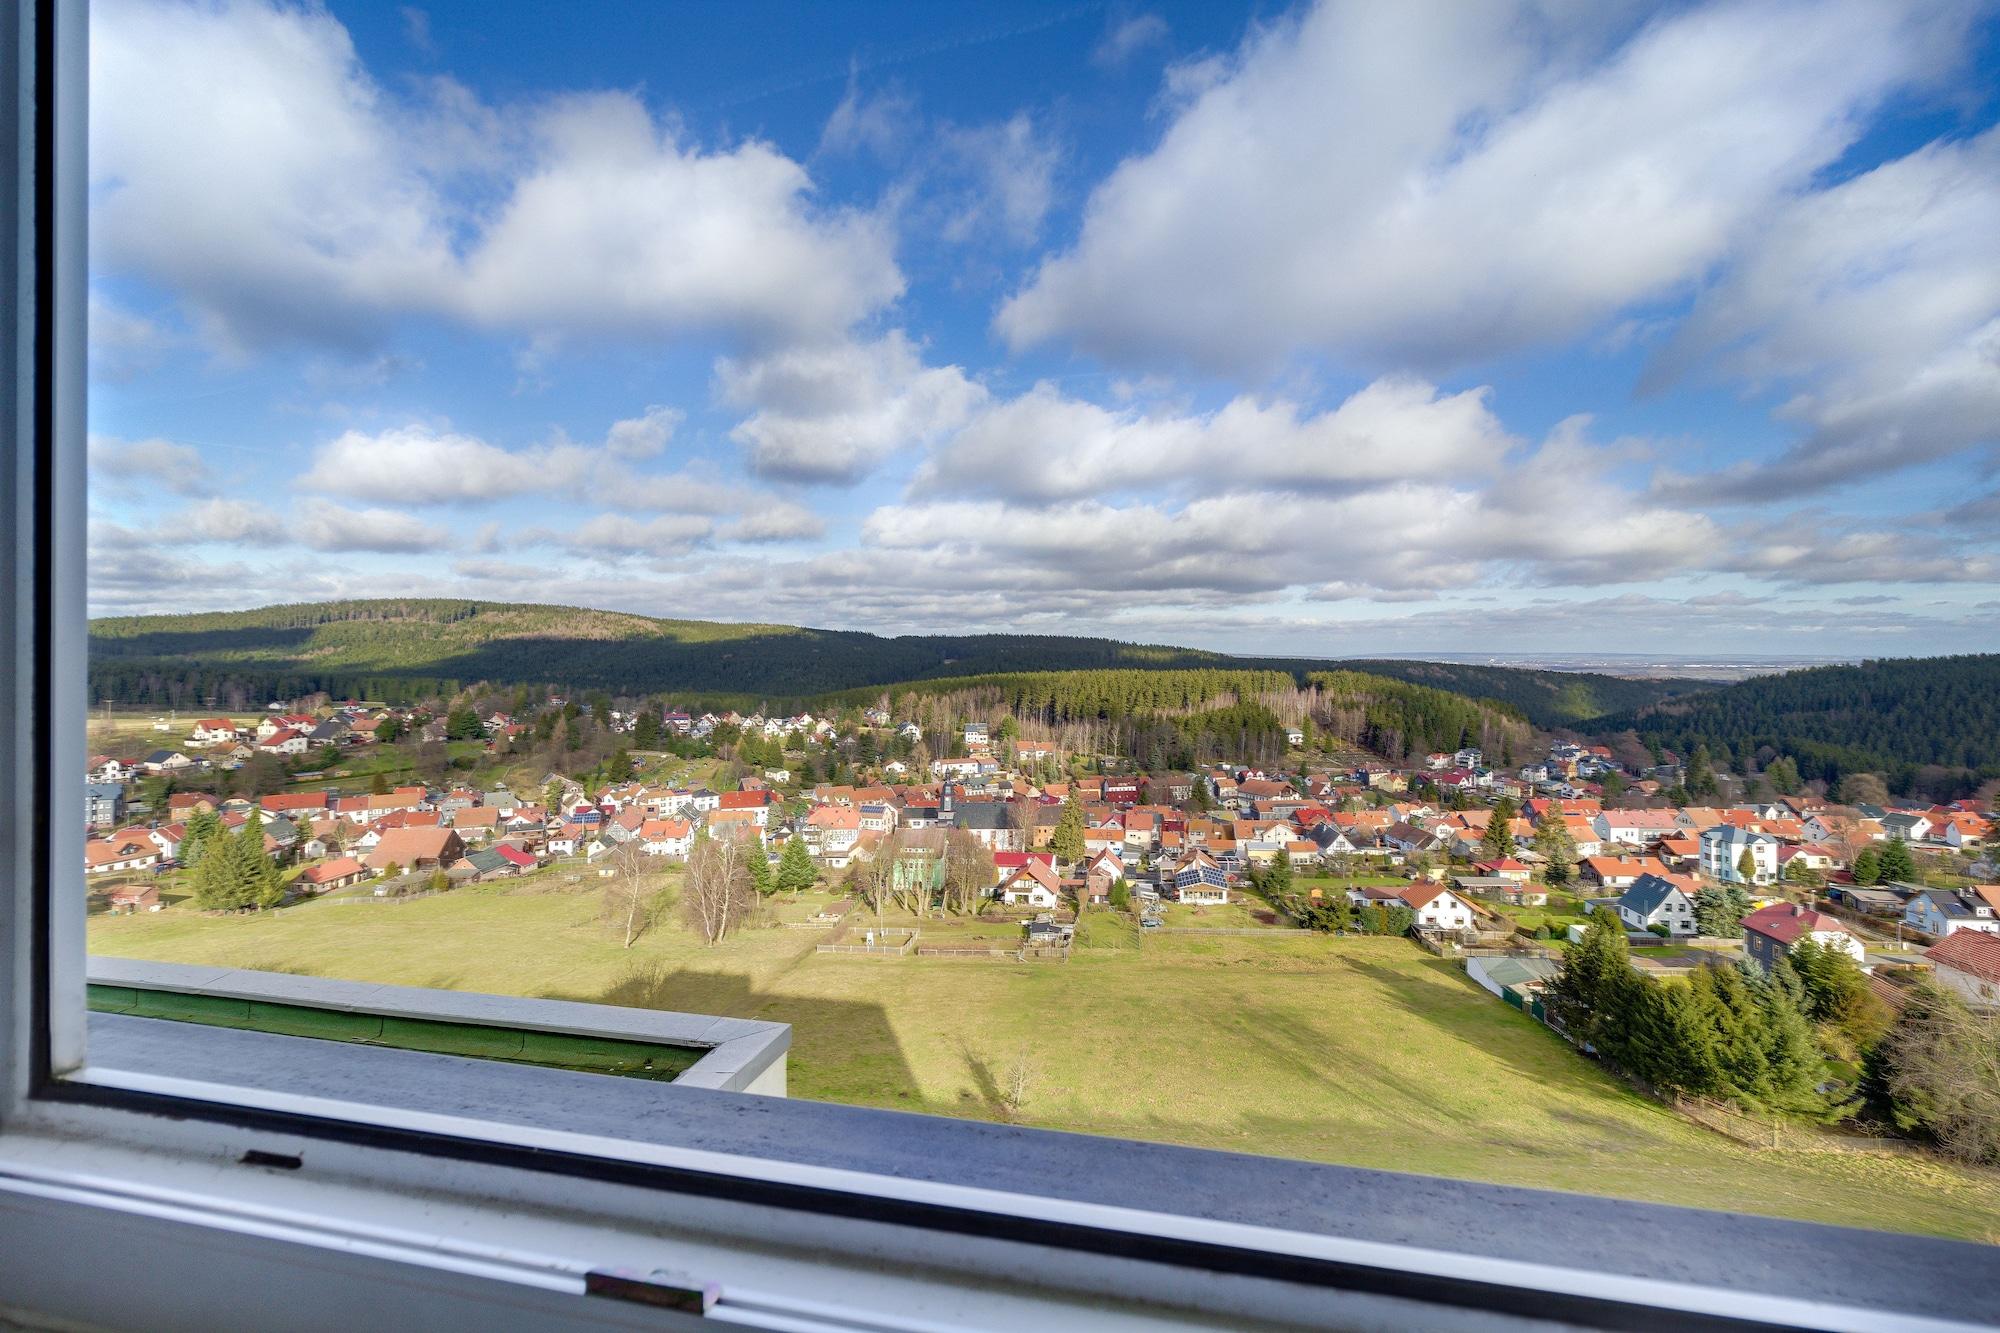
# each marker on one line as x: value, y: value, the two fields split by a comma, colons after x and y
x: 842, y: 1050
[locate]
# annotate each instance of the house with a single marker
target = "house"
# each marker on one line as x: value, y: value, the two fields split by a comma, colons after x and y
x: 1967, y: 964
x: 1770, y: 933
x: 992, y: 822
x: 331, y: 875
x: 1620, y: 872
x: 1636, y: 828
x: 213, y: 731
x: 1723, y: 848
x: 167, y: 761
x: 1436, y: 907
x: 1031, y: 884
x: 1198, y: 879
x: 1655, y: 900
x: 666, y: 837
x: 103, y: 856
x: 1964, y: 831
x: 416, y: 849
x: 1107, y: 863
x: 1909, y: 826
x: 1504, y: 868
x: 103, y: 804
x: 1944, y: 912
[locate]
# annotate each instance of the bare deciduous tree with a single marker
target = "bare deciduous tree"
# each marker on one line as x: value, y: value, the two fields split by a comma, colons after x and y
x: 717, y: 893
x: 968, y: 870
x: 631, y: 893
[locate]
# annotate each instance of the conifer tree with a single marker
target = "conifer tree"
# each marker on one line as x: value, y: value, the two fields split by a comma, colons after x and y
x: 1740, y: 1043
x: 1557, y: 847
x: 1897, y: 863
x: 1498, y: 841
x: 796, y: 871
x: 759, y: 865
x: 1068, y: 841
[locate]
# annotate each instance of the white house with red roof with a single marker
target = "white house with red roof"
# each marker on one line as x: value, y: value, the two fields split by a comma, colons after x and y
x: 1032, y: 884
x: 213, y: 731
x: 1437, y: 907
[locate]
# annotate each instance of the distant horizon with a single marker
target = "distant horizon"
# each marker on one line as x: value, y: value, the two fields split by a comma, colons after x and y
x: 1723, y: 667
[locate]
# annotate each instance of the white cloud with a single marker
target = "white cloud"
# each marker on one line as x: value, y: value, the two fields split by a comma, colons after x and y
x: 833, y: 413
x: 1127, y: 38
x: 643, y: 436
x: 419, y: 465
x: 1880, y: 298
x: 616, y: 225
x: 335, y: 206
x: 1011, y: 170
x: 619, y: 534
x: 123, y: 344
x: 241, y: 522
x: 879, y: 121
x: 140, y: 464
x: 1046, y: 445
x: 1426, y: 184
x: 325, y: 526
x: 778, y: 521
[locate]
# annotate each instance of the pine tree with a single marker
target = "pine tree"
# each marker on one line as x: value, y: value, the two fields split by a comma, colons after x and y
x: 796, y: 871
x: 1672, y: 1038
x: 1740, y: 1046
x: 1897, y: 863
x: 1719, y: 910
x: 1746, y: 867
x: 1583, y: 991
x: 1791, y: 1055
x: 203, y: 827
x: 1498, y: 840
x: 759, y: 865
x: 1868, y: 865
x: 1068, y: 841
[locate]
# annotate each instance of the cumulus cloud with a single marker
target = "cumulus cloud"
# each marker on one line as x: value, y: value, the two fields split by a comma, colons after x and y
x: 1046, y: 445
x: 244, y: 522
x: 833, y: 413
x: 345, y: 206
x: 325, y: 526
x: 620, y: 534
x: 1880, y: 299
x: 144, y: 464
x: 1355, y: 181
x: 420, y: 465
x: 643, y: 436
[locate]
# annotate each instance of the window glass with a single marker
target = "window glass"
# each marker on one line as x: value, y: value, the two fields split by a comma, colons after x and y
x: 1339, y: 582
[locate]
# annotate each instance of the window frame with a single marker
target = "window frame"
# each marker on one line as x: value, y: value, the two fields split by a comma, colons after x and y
x: 148, y: 1130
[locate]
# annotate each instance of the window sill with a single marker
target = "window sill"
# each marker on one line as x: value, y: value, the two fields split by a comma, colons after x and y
x: 1381, y: 1235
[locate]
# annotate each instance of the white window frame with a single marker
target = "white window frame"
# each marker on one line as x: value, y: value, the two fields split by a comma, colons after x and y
x: 233, y: 1200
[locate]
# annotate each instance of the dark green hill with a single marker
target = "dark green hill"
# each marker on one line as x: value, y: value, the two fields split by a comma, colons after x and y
x: 1929, y: 724
x: 1549, y: 698
x: 400, y: 648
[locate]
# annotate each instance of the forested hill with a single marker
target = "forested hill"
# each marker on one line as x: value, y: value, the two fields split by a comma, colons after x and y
x: 405, y: 648
x: 1549, y: 698
x: 1178, y: 718
x: 1929, y: 725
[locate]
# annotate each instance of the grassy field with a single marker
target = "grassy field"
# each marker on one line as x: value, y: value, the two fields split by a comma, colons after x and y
x: 1359, y: 1051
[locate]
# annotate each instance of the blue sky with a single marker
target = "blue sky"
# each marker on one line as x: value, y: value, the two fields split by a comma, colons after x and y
x: 1330, y: 329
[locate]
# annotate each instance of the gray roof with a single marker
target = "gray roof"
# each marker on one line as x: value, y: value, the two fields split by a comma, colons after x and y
x: 982, y: 815
x: 1647, y: 893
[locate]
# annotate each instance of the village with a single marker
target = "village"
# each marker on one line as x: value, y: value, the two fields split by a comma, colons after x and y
x: 1454, y: 852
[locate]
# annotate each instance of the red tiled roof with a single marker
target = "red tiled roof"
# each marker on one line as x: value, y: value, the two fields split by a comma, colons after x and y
x: 1788, y: 922
x: 1975, y: 952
